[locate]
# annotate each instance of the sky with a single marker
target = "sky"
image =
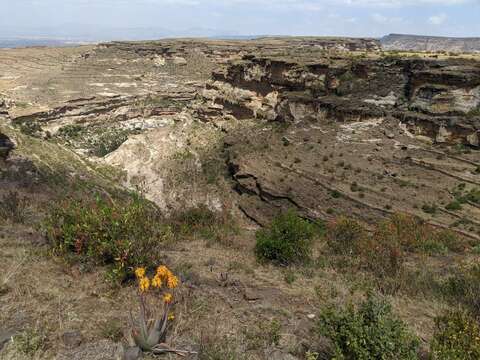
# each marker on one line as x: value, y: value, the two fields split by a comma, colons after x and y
x: 151, y: 18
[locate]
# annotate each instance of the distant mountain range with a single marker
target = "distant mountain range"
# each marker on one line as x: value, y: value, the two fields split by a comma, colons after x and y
x: 430, y: 43
x: 20, y: 42
x: 77, y: 33
x: 74, y: 34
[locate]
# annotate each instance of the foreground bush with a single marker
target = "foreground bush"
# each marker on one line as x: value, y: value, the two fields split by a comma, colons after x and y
x: 373, y: 252
x: 287, y: 240
x: 457, y: 337
x: 122, y: 235
x: 369, y: 332
x: 463, y: 287
x: 414, y: 235
x: 201, y: 222
x: 345, y: 236
x: 383, y: 251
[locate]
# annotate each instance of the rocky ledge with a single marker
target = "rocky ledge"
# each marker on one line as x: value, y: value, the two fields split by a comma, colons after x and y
x: 367, y: 136
x: 439, y: 99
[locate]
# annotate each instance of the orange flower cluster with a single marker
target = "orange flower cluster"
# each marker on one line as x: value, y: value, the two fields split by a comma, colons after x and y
x: 163, y: 277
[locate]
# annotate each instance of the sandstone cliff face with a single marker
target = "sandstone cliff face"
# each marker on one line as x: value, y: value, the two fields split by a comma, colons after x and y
x: 438, y: 99
x: 221, y: 50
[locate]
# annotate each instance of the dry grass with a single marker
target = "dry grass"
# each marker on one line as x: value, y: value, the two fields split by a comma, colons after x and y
x: 227, y: 298
x: 212, y: 313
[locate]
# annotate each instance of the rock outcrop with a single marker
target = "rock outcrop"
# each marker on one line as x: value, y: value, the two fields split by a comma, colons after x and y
x: 221, y: 51
x: 363, y: 136
x: 439, y: 99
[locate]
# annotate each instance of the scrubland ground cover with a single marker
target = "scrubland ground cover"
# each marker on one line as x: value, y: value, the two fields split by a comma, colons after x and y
x: 312, y: 290
x: 296, y: 287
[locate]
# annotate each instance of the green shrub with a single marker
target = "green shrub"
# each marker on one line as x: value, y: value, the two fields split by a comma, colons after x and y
x: 205, y: 223
x: 377, y: 253
x: 454, y: 206
x: 336, y: 194
x: 456, y: 337
x: 70, y: 131
x: 414, y: 235
x: 265, y: 335
x: 109, y: 142
x: 31, y: 341
x: 31, y: 128
x: 430, y: 208
x: 122, y: 235
x: 194, y: 219
x: 383, y: 251
x: 345, y: 235
x: 445, y: 239
x: 463, y: 288
x: 473, y: 112
x: 473, y: 196
x: 462, y: 196
x: 287, y: 240
x: 367, y: 333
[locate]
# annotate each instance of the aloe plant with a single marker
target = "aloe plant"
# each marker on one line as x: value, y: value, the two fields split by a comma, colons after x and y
x: 149, y: 332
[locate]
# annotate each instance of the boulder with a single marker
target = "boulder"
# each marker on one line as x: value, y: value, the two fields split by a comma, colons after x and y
x: 72, y: 339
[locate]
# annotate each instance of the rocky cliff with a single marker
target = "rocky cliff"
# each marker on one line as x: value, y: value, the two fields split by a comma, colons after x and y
x: 433, y: 98
x: 296, y: 122
x: 430, y: 43
x: 352, y: 135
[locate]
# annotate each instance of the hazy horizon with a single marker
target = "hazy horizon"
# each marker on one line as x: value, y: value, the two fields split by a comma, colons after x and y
x: 142, y: 19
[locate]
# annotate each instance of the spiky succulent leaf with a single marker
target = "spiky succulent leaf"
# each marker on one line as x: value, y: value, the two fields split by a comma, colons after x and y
x: 143, y: 325
x: 155, y: 333
x: 141, y: 342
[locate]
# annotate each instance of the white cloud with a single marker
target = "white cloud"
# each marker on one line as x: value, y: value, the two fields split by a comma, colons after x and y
x: 380, y: 19
x: 403, y: 3
x: 437, y: 19
x: 317, y: 4
x: 383, y: 20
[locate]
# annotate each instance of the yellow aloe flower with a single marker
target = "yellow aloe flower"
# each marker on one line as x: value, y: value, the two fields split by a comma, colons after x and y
x: 172, y: 282
x: 168, y: 298
x: 144, y: 284
x: 140, y: 272
x: 163, y: 271
x: 157, y: 281
x: 171, y: 317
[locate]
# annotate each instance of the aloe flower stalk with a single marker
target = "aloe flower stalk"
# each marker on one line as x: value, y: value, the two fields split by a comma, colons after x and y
x: 150, y: 331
